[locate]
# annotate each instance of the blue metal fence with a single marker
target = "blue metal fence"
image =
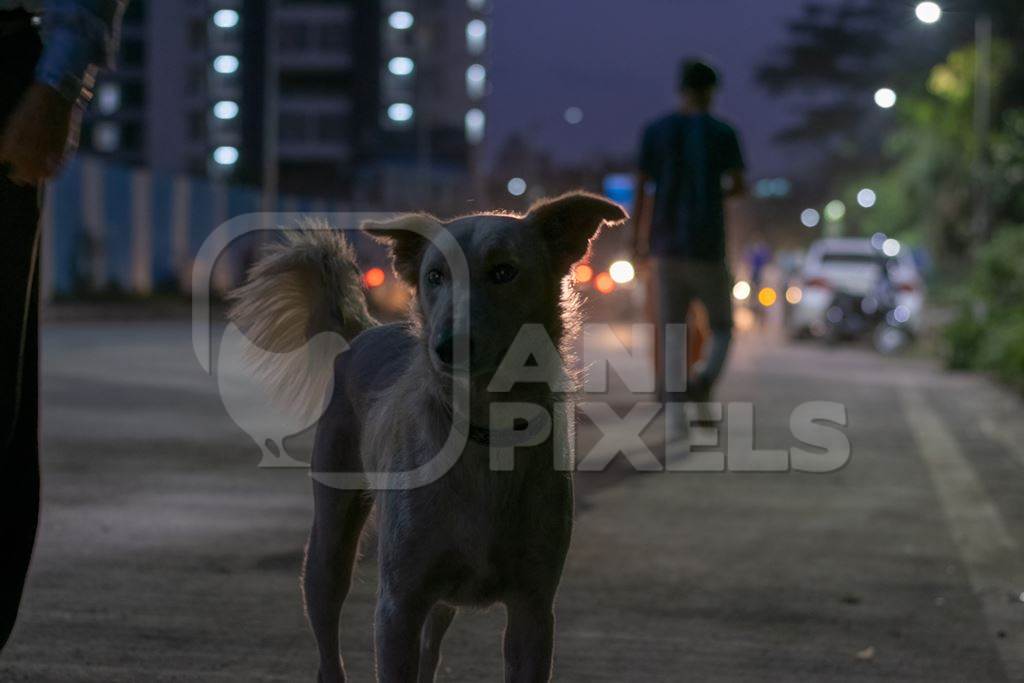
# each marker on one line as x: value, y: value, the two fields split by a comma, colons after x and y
x: 112, y: 228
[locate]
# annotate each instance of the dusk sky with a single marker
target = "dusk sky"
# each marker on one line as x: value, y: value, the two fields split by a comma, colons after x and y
x: 617, y: 61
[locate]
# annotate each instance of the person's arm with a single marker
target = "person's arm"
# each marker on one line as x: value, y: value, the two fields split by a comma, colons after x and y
x: 735, y: 174
x: 737, y: 183
x: 647, y: 163
x: 78, y: 37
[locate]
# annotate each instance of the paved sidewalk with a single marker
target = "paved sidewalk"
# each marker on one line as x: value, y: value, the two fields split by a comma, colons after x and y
x: 166, y: 555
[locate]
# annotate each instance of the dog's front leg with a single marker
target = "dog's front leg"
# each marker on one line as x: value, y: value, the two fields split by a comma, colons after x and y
x: 438, y: 621
x: 397, y: 625
x: 529, y: 639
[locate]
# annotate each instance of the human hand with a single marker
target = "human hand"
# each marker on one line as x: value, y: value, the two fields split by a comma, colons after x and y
x: 40, y: 131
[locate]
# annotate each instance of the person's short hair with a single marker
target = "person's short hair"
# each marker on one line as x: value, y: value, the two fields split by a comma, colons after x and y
x: 697, y: 75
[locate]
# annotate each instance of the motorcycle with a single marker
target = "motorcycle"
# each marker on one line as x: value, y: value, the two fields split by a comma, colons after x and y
x: 854, y: 316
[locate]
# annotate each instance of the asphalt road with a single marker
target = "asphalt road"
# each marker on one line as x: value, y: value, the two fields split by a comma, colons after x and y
x: 166, y: 554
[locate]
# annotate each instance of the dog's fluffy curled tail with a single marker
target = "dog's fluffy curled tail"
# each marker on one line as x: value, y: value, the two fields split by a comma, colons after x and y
x: 301, y: 304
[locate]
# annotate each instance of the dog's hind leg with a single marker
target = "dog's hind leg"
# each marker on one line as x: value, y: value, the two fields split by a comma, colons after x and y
x: 330, y: 554
x: 529, y: 641
x: 438, y: 621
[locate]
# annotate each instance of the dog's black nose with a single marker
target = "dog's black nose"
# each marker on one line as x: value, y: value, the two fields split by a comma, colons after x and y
x: 443, y: 349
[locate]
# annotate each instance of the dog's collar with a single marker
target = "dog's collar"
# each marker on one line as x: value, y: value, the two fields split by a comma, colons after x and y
x: 523, y: 431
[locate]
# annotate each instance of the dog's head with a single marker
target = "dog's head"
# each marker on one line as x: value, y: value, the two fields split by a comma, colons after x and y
x: 516, y: 265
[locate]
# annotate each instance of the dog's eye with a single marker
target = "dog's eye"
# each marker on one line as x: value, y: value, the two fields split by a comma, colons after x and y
x: 503, y: 273
x: 435, y: 277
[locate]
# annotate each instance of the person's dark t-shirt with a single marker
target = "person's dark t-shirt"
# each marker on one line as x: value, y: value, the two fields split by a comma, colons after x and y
x: 686, y: 156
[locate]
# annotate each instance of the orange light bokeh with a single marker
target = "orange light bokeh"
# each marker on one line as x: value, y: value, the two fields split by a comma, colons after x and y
x: 767, y: 297
x: 604, y: 283
x: 374, y: 277
x: 583, y: 273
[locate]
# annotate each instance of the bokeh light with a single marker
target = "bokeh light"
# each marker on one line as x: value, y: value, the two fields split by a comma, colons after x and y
x: 573, y: 115
x: 374, y: 277
x: 741, y: 290
x: 835, y: 211
x: 794, y: 295
x: 867, y: 198
x: 604, y: 283
x: 622, y: 272
x: 583, y: 273
x: 885, y: 98
x: 928, y: 12
x: 767, y: 297
x: 810, y: 218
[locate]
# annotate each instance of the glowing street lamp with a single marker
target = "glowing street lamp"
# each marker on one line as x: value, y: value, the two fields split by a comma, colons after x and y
x: 885, y: 98
x: 928, y: 12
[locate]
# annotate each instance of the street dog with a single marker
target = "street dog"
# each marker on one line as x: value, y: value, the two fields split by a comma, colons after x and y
x: 472, y: 533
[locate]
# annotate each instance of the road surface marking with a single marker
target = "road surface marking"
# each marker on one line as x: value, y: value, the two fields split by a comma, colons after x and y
x: 992, y: 557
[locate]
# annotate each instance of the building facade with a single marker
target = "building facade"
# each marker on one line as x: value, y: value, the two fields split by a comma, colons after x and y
x: 377, y: 102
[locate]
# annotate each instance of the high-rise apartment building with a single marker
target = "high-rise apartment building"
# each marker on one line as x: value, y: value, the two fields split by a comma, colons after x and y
x: 374, y: 101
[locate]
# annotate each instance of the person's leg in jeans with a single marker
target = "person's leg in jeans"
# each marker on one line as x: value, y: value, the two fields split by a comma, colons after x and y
x: 19, y: 278
x: 714, y: 289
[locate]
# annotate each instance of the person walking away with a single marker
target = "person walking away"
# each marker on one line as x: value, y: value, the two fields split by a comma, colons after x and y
x: 695, y: 163
x: 49, y: 52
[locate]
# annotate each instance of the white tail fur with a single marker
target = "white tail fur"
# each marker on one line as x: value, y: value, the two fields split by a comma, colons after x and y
x: 301, y: 303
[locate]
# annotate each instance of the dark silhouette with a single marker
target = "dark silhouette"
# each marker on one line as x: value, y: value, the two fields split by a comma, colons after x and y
x: 695, y: 163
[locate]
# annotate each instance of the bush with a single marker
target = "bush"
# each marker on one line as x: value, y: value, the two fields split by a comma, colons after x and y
x: 988, y: 331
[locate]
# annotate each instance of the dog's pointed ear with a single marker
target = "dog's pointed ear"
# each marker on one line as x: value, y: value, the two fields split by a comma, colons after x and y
x: 407, y: 237
x: 571, y: 222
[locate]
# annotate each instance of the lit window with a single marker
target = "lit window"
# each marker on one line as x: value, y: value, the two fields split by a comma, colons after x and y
x: 225, y: 156
x: 108, y: 98
x: 225, y: 64
x: 225, y: 18
x: 225, y: 109
x: 400, y: 21
x: 476, y: 81
x: 476, y: 122
x: 400, y: 112
x: 476, y: 36
x: 106, y: 136
x: 401, y: 66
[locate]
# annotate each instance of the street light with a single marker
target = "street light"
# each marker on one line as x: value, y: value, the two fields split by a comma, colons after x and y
x: 885, y: 98
x: 928, y: 12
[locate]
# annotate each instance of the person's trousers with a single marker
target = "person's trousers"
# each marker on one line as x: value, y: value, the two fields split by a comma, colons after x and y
x: 19, y: 347
x: 680, y: 281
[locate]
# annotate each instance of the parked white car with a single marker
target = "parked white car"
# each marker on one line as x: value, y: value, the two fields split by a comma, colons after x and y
x: 852, y: 265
